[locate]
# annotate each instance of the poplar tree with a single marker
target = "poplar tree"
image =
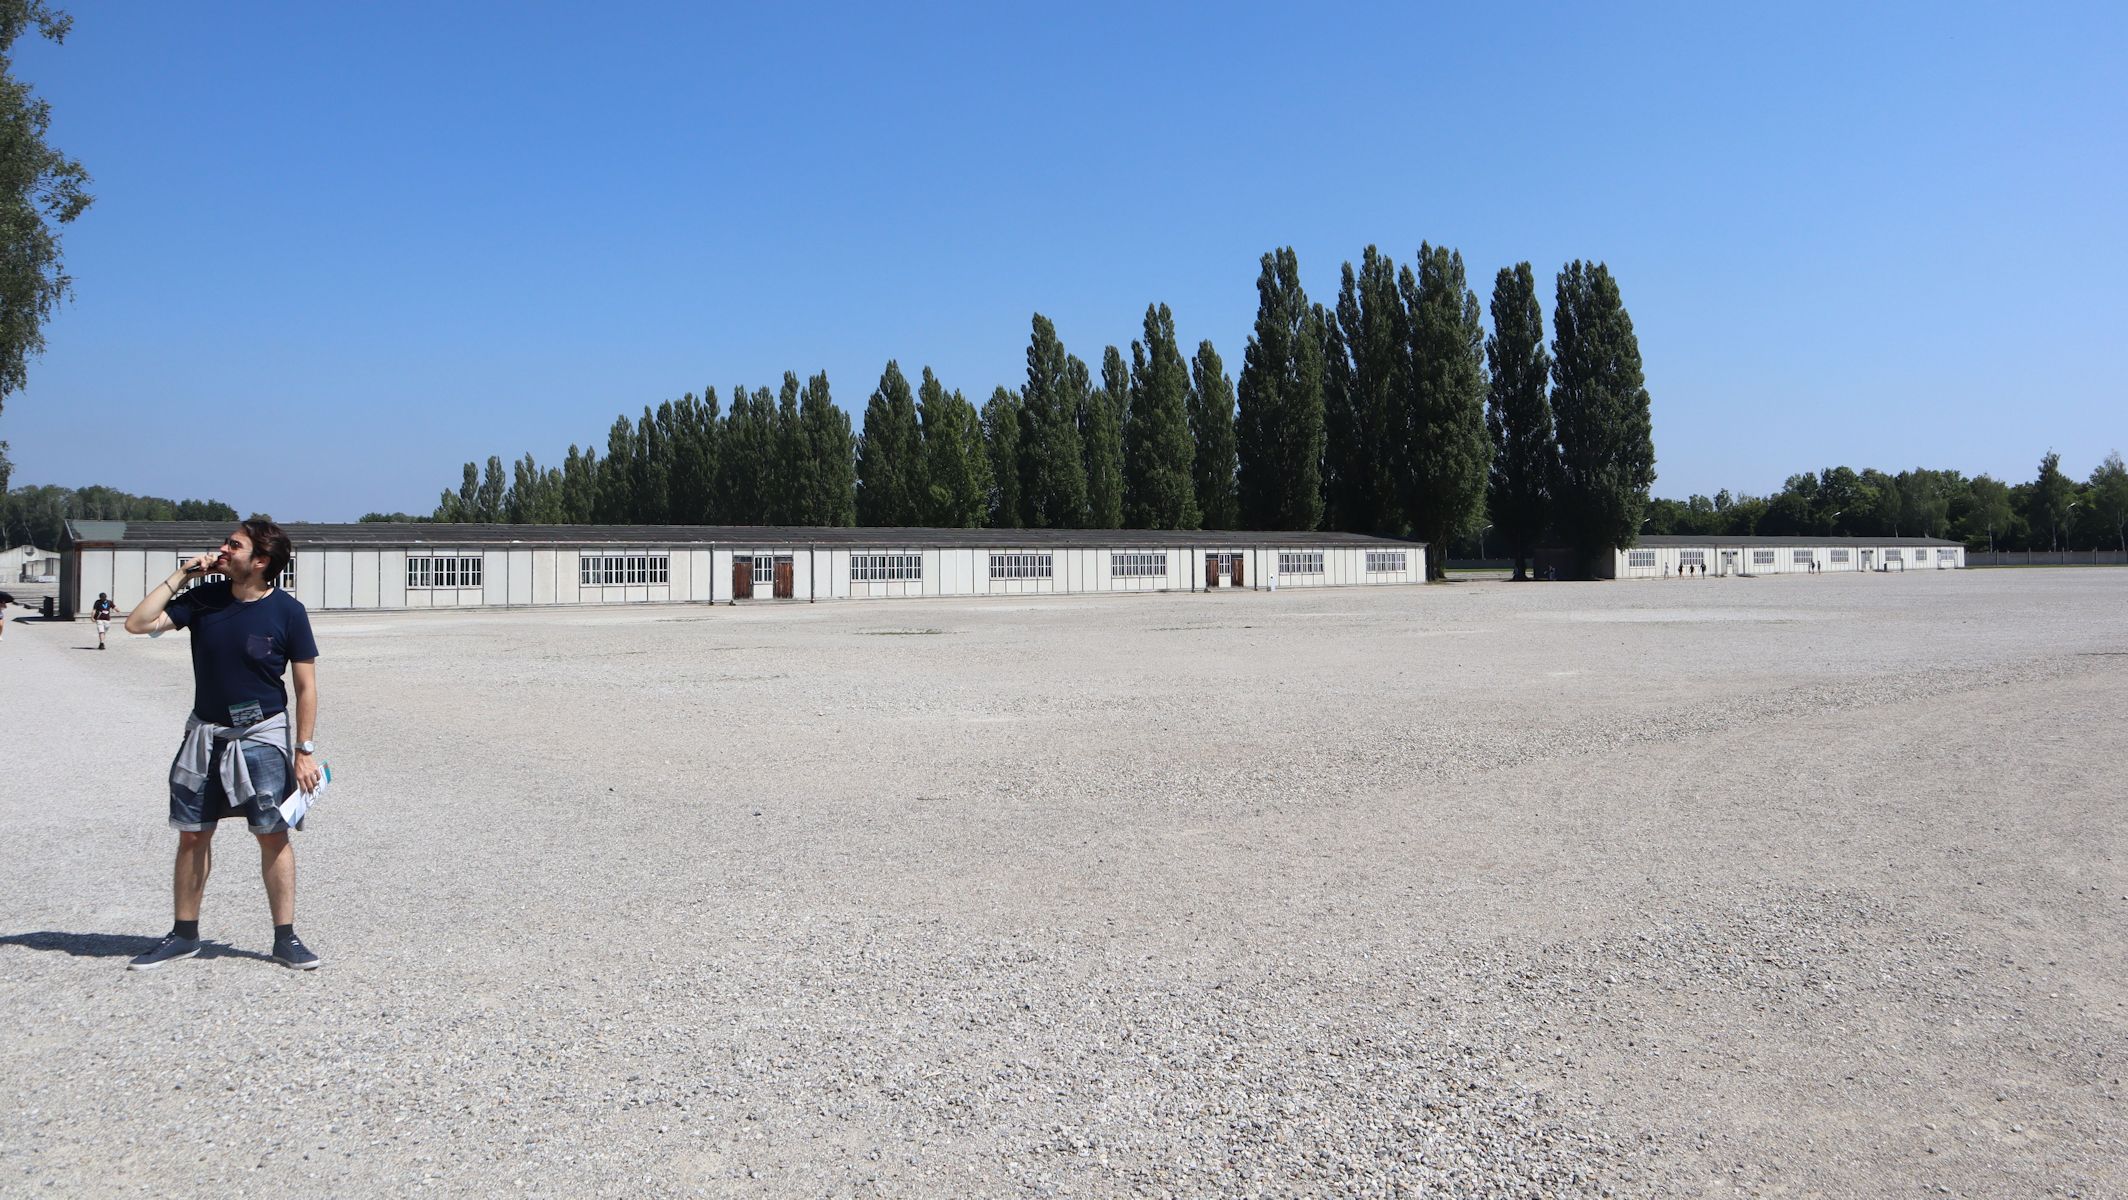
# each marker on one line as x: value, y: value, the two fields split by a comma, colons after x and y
x: 1600, y: 409
x: 1444, y: 424
x: 832, y: 453
x: 694, y: 470
x: 1052, y: 465
x: 1518, y: 416
x: 749, y: 460
x: 890, y: 466
x: 523, y: 496
x: 652, y: 470
x: 1374, y: 329
x: 738, y: 462
x: 615, y: 503
x: 579, y: 485
x: 790, y: 475
x: 956, y: 460
x: 1001, y: 438
x: 493, y: 486
x: 1279, y: 440
x: 1343, y: 449
x: 1101, y: 432
x: 1212, y: 430
x: 1164, y: 494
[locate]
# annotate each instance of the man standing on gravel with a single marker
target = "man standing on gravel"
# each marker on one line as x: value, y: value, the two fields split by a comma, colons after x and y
x: 102, y: 610
x: 236, y: 758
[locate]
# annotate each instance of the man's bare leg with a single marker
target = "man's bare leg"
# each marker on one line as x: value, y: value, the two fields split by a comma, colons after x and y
x: 195, y: 859
x: 188, y: 883
x: 277, y: 866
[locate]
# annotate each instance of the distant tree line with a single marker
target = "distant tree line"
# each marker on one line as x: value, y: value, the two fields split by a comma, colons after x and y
x: 38, y: 514
x: 2051, y: 511
x: 1390, y: 412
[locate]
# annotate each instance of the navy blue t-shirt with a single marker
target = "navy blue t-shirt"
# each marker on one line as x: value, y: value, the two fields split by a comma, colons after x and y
x: 240, y: 649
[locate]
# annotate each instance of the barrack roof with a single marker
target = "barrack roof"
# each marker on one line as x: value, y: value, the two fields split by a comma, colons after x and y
x: 202, y: 535
x: 1666, y: 540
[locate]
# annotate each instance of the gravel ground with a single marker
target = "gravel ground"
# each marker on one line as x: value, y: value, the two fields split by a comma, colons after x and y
x: 1784, y: 887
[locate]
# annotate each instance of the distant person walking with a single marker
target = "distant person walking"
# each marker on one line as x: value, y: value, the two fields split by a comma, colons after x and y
x: 103, y: 608
x: 237, y: 757
x: 7, y: 599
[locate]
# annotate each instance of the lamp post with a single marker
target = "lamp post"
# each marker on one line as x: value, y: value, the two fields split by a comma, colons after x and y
x: 1481, y: 542
x: 2065, y: 520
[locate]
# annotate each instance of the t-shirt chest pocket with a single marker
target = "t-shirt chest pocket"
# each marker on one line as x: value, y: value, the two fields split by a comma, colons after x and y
x: 258, y: 647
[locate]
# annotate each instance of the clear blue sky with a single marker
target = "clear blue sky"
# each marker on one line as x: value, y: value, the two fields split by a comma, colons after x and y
x: 339, y: 249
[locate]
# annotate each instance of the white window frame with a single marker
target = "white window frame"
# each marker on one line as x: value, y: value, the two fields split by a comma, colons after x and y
x: 1137, y: 564
x: 764, y: 570
x: 886, y: 568
x: 431, y: 572
x: 1388, y: 562
x: 1692, y: 558
x: 1763, y: 558
x: 1800, y: 558
x: 1017, y: 564
x: 1891, y: 554
x: 596, y: 568
x: 1838, y: 556
x: 1301, y: 562
x: 1639, y: 559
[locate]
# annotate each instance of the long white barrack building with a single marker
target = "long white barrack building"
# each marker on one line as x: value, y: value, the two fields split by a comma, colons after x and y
x: 422, y: 565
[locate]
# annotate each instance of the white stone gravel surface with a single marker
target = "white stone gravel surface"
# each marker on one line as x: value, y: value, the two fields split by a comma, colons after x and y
x: 1781, y: 887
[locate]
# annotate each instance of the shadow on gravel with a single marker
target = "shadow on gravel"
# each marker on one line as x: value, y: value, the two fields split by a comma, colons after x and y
x: 113, y: 945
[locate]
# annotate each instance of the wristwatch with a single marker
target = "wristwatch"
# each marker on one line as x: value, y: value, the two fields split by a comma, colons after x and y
x: 306, y: 747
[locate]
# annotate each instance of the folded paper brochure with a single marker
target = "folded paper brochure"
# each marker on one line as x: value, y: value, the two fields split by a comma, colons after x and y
x: 298, y: 804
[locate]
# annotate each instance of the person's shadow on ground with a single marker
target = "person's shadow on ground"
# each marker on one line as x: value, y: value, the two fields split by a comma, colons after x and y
x: 113, y: 945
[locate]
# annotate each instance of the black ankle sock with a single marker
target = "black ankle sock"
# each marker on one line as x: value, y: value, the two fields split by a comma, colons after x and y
x: 189, y: 930
x: 282, y: 933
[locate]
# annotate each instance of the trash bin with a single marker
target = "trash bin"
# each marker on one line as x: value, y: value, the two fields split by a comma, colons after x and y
x: 48, y: 608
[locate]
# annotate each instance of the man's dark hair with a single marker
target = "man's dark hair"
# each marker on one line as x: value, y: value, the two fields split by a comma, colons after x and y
x: 270, y: 543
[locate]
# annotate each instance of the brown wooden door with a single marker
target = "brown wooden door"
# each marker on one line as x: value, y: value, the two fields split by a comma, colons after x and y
x: 784, y: 573
x: 1211, y: 571
x: 742, y: 578
x: 1236, y: 577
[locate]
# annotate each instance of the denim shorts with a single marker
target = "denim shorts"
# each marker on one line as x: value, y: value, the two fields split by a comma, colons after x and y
x: 193, y: 812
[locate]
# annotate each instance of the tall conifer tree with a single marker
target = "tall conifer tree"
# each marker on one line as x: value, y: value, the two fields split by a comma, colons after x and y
x: 615, y: 503
x: 1001, y: 438
x: 1164, y: 494
x: 1212, y: 431
x: 790, y: 477
x: 1280, y: 429
x: 1518, y: 416
x: 1600, y: 409
x: 1375, y: 329
x: 579, y: 485
x: 1343, y: 450
x: 1101, y: 441
x: 653, y: 468
x: 694, y: 479
x: 831, y: 456
x: 1444, y: 489
x: 956, y: 461
x: 890, y: 466
x: 1052, y: 465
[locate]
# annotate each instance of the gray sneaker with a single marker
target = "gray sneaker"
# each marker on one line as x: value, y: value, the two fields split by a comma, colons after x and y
x: 167, y: 951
